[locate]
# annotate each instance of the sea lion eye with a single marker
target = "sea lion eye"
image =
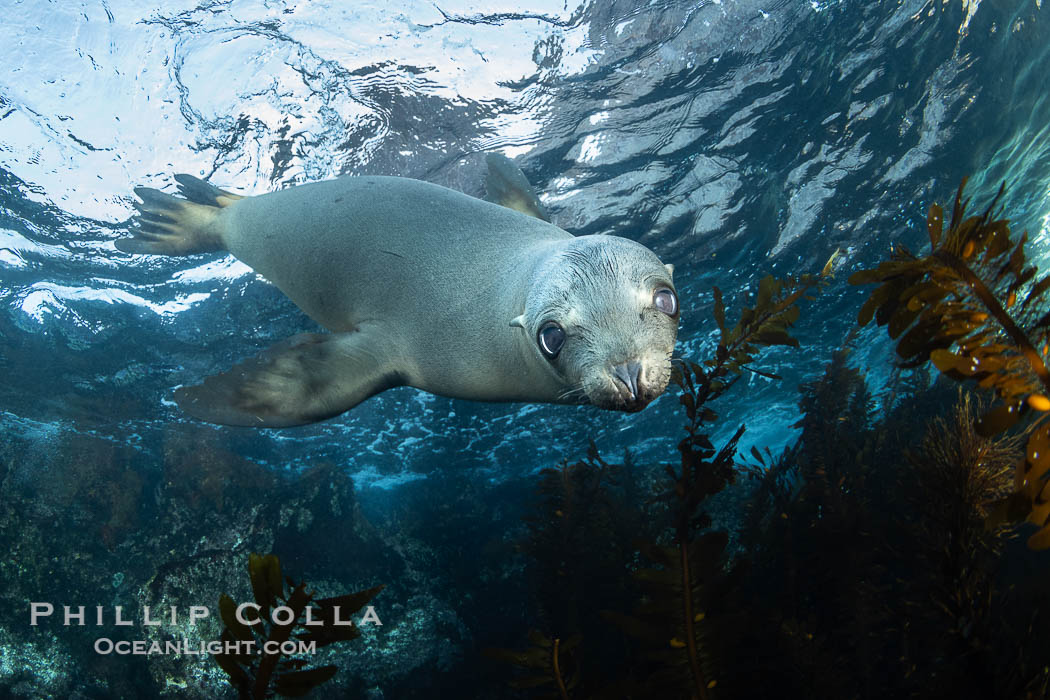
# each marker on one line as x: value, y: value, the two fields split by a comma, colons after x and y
x: 551, y: 337
x: 665, y: 300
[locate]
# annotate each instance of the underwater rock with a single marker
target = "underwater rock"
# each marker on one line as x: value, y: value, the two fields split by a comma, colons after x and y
x: 38, y: 668
x: 108, y: 528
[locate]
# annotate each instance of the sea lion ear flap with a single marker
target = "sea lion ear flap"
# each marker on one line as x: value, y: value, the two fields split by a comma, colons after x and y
x: 518, y: 322
x: 670, y: 270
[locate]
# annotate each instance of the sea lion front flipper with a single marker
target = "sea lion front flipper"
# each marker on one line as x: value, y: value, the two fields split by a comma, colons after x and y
x: 304, y: 379
x: 506, y: 185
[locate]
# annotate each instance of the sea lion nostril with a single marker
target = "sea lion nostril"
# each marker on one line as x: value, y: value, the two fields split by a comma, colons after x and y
x: 629, y: 373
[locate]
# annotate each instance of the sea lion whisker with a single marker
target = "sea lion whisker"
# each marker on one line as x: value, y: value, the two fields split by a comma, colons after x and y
x: 575, y: 391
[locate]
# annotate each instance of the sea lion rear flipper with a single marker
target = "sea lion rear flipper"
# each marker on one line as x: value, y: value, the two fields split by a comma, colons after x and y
x: 506, y: 185
x: 168, y: 225
x: 304, y: 379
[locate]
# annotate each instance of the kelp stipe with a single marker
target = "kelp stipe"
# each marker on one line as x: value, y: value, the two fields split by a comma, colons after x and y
x: 258, y: 673
x: 549, y: 665
x: 974, y: 308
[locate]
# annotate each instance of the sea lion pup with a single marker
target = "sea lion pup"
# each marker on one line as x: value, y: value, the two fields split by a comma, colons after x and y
x: 427, y: 287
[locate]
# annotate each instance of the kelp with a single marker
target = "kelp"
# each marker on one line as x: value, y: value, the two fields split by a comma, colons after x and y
x: 862, y: 568
x: 580, y: 531
x: 872, y: 572
x: 954, y: 473
x: 763, y: 325
x: 815, y: 540
x: 258, y: 673
x: 978, y: 310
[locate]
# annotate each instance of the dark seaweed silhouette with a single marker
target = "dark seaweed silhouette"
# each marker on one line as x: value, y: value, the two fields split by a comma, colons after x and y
x: 261, y: 674
x: 686, y: 595
x: 873, y: 574
x: 580, y: 534
x: 813, y: 538
x: 974, y: 307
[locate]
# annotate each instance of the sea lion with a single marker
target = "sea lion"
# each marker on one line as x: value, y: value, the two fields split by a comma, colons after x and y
x: 422, y: 286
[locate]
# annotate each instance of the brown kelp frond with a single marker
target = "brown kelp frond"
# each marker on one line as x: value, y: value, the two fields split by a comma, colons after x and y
x: 548, y: 664
x: 764, y: 324
x: 976, y: 308
x: 969, y: 471
x: 254, y: 668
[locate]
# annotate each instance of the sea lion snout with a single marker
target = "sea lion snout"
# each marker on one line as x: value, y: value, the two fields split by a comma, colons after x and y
x: 633, y: 387
x: 628, y: 373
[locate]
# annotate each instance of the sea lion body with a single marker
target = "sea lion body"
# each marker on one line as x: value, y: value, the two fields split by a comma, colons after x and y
x: 413, y: 260
x: 423, y: 286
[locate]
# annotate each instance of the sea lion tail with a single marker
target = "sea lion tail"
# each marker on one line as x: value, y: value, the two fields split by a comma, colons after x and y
x: 169, y: 225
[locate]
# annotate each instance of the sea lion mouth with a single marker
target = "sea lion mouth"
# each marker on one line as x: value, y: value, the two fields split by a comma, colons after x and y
x: 628, y: 375
x: 636, y: 406
x: 620, y: 402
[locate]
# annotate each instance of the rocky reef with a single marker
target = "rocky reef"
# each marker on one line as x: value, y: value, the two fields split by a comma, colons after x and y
x: 89, y: 523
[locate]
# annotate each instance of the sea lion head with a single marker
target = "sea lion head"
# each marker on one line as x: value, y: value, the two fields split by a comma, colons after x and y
x: 602, y: 313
